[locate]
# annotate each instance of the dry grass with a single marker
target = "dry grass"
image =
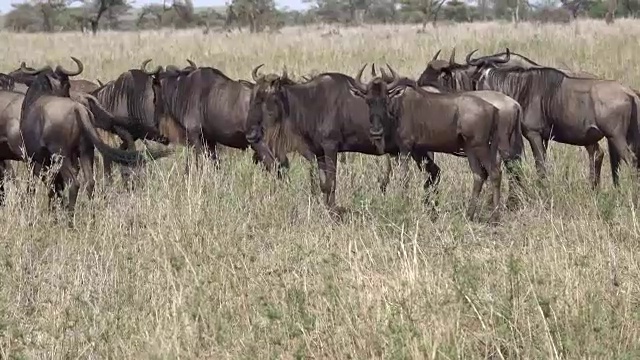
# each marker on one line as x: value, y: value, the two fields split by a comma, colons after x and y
x: 229, y: 263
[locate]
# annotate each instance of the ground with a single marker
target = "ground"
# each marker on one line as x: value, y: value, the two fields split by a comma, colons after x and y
x: 230, y: 263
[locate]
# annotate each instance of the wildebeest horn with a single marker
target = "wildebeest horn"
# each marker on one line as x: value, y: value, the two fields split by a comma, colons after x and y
x: 435, y: 57
x: 192, y: 64
x: 143, y: 67
x: 359, y: 83
x: 505, y: 60
x: 23, y: 68
x: 373, y: 70
x: 396, y: 78
x: 472, y: 62
x: 254, y: 73
x: 60, y: 69
x: 452, y: 59
x: 385, y: 76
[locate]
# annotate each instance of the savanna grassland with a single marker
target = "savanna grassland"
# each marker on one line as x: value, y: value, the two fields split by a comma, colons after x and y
x: 230, y: 263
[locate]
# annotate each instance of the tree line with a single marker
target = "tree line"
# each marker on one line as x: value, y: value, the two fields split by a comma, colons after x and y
x: 262, y: 15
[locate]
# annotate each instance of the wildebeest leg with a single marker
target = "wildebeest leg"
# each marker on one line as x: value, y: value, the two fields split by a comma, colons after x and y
x: 479, y: 177
x: 622, y: 148
x: 384, y: 179
x: 309, y: 156
x: 55, y: 189
x: 86, y: 164
x: 282, y: 166
x: 3, y: 171
x: 433, y: 176
x: 596, y: 155
x: 491, y: 165
x: 514, y: 171
x: 69, y: 174
x: 194, y: 138
x: 327, y: 167
x: 403, y: 159
x: 128, y: 143
x: 539, y: 152
x: 614, y: 159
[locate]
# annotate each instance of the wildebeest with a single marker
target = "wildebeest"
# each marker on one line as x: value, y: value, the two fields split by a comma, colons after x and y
x: 510, y: 111
x: 318, y: 119
x: 23, y: 80
x: 567, y: 109
x: 417, y: 120
x: 206, y: 108
x: 135, y: 95
x: 54, y: 124
x: 458, y: 77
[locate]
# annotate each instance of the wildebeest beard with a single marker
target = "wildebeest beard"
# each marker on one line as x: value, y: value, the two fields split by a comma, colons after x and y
x: 132, y: 88
x: 523, y: 85
x: 278, y: 133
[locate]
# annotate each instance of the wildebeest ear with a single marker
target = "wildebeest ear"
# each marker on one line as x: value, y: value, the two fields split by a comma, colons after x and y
x: 355, y: 91
x: 396, y: 91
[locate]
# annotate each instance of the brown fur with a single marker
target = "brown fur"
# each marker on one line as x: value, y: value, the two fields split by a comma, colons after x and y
x: 462, y: 122
x: 54, y: 124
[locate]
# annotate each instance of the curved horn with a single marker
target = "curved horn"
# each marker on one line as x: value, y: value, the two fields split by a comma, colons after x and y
x: 254, y: 73
x: 359, y: 83
x: 505, y: 60
x: 472, y: 62
x: 24, y: 70
x: 385, y: 76
x: 396, y: 78
x: 60, y: 69
x: 100, y: 82
x: 192, y: 64
x: 144, y: 68
x: 435, y: 57
x: 452, y: 59
x: 373, y: 70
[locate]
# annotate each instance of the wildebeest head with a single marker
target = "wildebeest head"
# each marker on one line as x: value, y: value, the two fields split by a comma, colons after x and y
x: 48, y: 81
x: 457, y: 77
x: 269, y: 104
x: 159, y: 111
x: 378, y: 94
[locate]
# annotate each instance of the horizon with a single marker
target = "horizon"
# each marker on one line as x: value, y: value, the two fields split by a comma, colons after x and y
x: 5, y: 5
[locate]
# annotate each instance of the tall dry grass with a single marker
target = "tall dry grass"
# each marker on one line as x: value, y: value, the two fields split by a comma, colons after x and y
x: 229, y: 263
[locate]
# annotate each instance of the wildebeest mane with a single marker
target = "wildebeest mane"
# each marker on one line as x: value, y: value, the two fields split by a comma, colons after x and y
x: 523, y: 84
x: 305, y: 105
x: 128, y: 87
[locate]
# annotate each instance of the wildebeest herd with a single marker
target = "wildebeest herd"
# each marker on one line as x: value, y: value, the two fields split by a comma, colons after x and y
x: 480, y: 110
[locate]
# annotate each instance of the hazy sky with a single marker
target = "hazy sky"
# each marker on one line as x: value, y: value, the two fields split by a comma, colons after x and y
x: 5, y: 5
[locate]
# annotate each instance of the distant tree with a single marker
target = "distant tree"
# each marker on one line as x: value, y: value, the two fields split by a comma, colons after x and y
x: 256, y: 14
x: 95, y: 10
x: 428, y: 8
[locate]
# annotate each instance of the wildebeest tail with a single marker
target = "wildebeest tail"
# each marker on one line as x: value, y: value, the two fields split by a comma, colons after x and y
x: 119, y: 156
x: 633, y: 134
x: 104, y: 119
x: 517, y: 141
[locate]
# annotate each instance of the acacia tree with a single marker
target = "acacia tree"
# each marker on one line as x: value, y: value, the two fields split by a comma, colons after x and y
x: 428, y: 8
x: 97, y: 9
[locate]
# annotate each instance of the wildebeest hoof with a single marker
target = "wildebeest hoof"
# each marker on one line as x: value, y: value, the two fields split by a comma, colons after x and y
x: 338, y: 212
